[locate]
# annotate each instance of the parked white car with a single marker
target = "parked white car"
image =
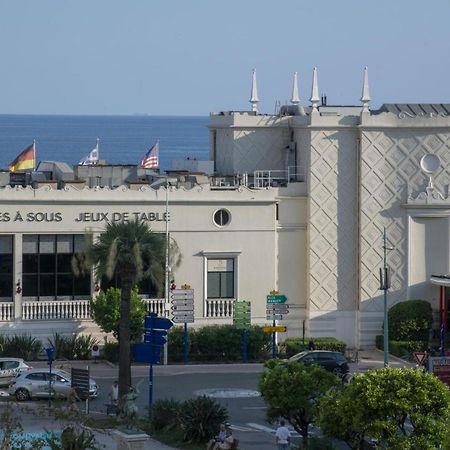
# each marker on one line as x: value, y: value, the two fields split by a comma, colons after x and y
x: 36, y: 383
x: 10, y: 368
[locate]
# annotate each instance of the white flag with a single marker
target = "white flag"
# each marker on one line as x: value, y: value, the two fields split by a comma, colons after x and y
x: 91, y: 158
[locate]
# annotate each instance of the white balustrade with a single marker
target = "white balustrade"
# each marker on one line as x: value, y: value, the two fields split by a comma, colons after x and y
x: 56, y: 310
x: 219, y: 308
x: 81, y: 310
x: 6, y: 311
x: 156, y: 305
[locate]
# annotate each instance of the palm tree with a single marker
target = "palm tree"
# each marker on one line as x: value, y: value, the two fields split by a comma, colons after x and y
x: 130, y: 251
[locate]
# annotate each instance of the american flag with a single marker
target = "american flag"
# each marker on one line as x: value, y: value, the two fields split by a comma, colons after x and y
x: 151, y: 158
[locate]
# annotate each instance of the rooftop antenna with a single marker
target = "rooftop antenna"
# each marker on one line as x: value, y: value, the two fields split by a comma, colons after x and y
x: 254, y: 95
x: 295, y: 99
x: 314, y: 92
x: 365, y: 96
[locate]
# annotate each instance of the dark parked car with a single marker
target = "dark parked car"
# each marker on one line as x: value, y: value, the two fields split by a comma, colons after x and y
x: 332, y: 361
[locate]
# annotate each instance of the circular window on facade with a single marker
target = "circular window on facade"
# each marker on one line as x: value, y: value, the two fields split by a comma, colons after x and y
x: 222, y: 217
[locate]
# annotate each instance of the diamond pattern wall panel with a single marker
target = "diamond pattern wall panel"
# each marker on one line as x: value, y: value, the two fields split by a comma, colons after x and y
x: 264, y: 149
x: 390, y: 161
x: 332, y: 220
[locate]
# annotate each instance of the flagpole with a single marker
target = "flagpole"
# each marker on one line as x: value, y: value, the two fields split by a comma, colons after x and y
x: 34, y: 154
x: 166, y: 274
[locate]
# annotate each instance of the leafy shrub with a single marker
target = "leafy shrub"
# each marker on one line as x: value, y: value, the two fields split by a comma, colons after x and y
x: 200, y: 418
x: 21, y: 346
x: 295, y: 345
x: 72, y: 347
x: 410, y: 320
x: 176, y: 343
x: 58, y: 342
x: 401, y: 348
x: 105, y: 310
x: 111, y: 351
x: 164, y: 414
x: 218, y: 343
x: 83, y: 346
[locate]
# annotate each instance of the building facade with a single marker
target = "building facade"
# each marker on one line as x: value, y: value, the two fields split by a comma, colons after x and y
x: 298, y: 204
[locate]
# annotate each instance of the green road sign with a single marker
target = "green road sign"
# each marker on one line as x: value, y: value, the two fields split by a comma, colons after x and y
x: 241, y: 305
x: 276, y: 298
x: 241, y: 314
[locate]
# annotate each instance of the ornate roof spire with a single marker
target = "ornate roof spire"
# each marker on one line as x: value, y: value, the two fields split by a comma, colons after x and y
x: 365, y: 96
x: 314, y: 91
x: 295, y: 100
x: 254, y: 98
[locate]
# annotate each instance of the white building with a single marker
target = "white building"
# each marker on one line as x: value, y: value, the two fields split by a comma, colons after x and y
x: 298, y: 205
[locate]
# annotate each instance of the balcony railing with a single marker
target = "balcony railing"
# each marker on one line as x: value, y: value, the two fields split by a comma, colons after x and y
x: 81, y: 309
x: 56, y: 310
x: 278, y: 178
x: 219, y: 308
x: 6, y: 311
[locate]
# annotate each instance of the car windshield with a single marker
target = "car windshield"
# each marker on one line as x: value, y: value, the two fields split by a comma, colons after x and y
x: 297, y: 356
x: 64, y: 374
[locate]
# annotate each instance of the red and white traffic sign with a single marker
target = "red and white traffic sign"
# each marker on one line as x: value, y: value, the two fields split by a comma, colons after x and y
x: 420, y: 357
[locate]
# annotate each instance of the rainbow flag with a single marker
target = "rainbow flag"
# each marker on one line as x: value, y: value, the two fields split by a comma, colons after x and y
x: 26, y: 160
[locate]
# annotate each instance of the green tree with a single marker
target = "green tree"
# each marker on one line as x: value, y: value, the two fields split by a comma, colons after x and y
x: 130, y: 251
x: 292, y: 390
x: 403, y: 409
x: 105, y: 310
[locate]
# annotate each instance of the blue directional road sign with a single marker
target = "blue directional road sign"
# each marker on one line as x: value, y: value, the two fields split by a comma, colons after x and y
x: 153, y: 322
x: 155, y: 337
x: 146, y: 353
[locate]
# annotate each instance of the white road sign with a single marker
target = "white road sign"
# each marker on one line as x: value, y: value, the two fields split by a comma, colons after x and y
x: 182, y: 302
x: 182, y: 294
x: 187, y: 307
x: 274, y: 316
x: 188, y: 318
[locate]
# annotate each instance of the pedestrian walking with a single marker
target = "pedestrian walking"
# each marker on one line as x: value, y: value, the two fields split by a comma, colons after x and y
x: 72, y: 399
x: 114, y: 393
x: 282, y: 436
x: 311, y: 344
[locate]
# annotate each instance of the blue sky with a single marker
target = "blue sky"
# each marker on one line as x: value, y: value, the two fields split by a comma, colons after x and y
x: 178, y: 57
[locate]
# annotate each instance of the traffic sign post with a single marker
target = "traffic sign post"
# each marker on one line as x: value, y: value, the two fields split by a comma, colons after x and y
x: 155, y: 336
x: 183, y: 311
x: 241, y: 320
x: 275, y: 329
x: 50, y: 352
x: 276, y: 307
x: 276, y: 298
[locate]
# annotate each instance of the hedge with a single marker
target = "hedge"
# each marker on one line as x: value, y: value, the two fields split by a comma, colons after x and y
x: 401, y: 348
x: 218, y: 343
x: 410, y: 320
x: 295, y: 345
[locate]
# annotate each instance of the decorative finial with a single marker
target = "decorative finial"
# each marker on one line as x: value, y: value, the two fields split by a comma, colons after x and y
x: 295, y: 100
x: 315, y: 91
x: 365, y: 96
x: 254, y: 98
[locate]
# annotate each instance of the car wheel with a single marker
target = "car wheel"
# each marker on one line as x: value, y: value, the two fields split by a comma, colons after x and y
x: 22, y: 395
x: 338, y: 371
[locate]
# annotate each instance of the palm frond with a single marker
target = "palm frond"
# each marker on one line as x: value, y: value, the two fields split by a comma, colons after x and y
x: 111, y: 260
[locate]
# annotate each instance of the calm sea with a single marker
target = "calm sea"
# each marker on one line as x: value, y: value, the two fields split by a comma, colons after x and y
x: 123, y: 139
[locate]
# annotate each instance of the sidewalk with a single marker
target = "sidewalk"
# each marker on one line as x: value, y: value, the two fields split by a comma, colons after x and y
x: 374, y: 359
x: 36, y: 423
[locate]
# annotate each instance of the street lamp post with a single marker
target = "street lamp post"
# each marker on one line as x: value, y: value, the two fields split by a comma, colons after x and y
x: 385, y: 284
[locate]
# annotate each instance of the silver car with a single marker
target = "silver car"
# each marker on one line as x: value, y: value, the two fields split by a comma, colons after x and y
x: 36, y: 383
x: 10, y: 368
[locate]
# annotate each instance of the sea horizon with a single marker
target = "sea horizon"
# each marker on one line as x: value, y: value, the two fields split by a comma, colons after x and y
x: 123, y: 139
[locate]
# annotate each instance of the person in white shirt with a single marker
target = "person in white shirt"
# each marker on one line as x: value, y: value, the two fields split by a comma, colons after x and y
x: 282, y: 436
